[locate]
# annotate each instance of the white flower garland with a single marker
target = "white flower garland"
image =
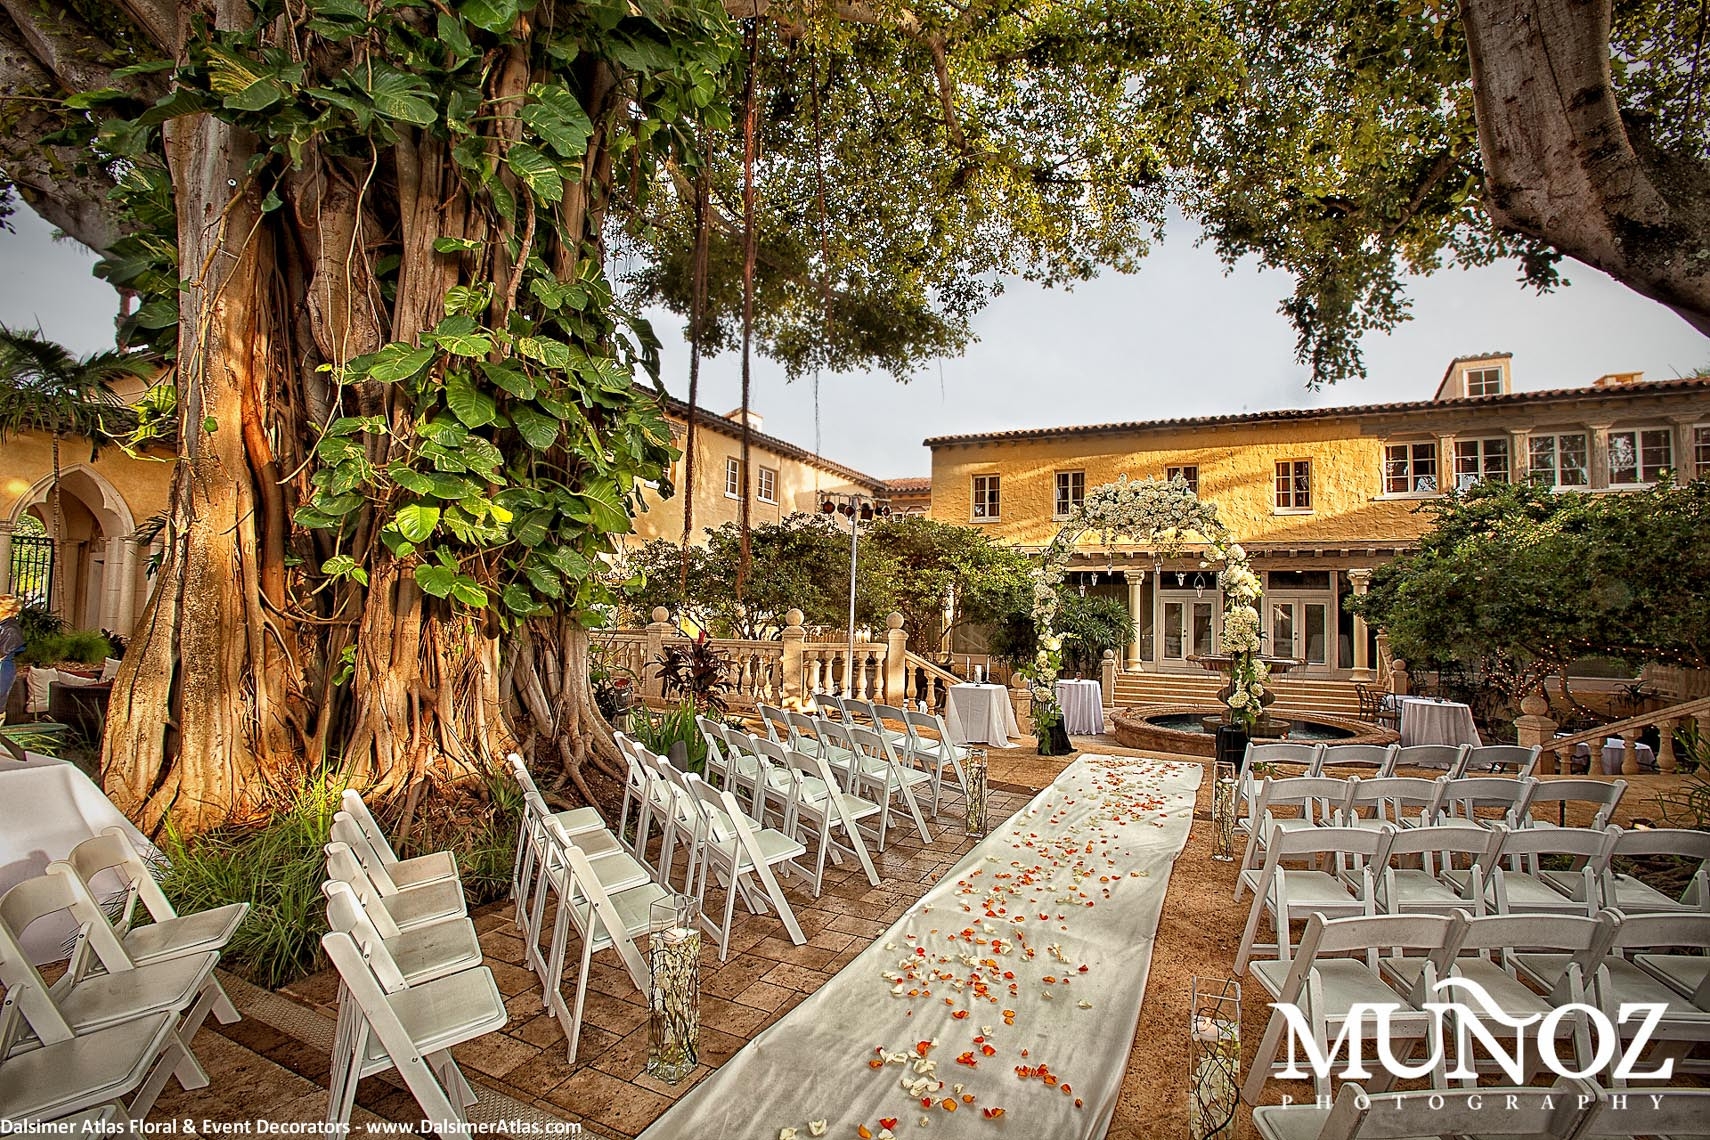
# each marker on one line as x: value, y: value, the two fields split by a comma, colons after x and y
x: 1170, y: 515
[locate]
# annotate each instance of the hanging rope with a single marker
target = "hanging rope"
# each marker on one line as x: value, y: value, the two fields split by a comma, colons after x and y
x: 697, y: 310
x: 749, y: 116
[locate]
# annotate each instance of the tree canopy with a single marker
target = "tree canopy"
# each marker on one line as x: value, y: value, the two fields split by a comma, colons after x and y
x: 1516, y: 582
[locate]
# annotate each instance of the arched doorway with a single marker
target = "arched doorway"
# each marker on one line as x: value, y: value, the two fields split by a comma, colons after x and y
x: 97, y: 549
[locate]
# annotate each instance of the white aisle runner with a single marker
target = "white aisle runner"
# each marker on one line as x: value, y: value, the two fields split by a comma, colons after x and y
x: 1011, y: 990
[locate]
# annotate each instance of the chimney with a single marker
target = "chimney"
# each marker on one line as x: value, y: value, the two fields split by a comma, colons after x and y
x: 755, y: 420
x: 1617, y: 379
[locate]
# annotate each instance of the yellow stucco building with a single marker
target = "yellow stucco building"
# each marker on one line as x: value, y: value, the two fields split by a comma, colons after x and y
x: 1317, y: 496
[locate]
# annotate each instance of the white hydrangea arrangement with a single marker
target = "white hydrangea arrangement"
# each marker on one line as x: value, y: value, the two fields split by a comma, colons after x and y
x: 1170, y: 515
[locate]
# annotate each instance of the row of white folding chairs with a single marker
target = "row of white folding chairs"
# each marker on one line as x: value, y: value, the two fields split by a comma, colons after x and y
x: 1457, y: 759
x: 412, y: 981
x: 1530, y: 966
x: 1416, y: 801
x: 1570, y: 1109
x: 118, y: 1022
x: 719, y: 838
x: 921, y: 736
x: 864, y: 764
x: 1508, y: 871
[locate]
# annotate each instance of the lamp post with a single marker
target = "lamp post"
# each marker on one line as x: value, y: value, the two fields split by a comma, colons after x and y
x: 858, y: 509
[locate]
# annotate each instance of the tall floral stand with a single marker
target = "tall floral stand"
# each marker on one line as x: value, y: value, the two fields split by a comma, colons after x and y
x: 1214, y: 1061
x: 974, y: 767
x: 1223, y: 812
x: 674, y: 991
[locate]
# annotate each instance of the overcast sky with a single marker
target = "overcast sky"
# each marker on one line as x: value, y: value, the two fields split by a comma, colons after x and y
x: 1180, y: 338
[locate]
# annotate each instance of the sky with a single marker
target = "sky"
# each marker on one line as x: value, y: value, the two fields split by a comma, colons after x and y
x: 1180, y: 338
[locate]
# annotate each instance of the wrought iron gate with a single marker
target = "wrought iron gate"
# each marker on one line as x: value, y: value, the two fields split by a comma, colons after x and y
x: 32, y: 569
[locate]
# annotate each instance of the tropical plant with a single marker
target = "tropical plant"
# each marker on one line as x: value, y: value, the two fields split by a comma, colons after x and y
x: 657, y: 731
x: 43, y: 387
x: 83, y: 646
x: 697, y: 672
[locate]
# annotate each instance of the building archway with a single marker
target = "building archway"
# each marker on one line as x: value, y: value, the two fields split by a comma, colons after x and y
x: 97, y: 548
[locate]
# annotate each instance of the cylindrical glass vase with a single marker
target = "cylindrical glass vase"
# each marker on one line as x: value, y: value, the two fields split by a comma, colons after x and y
x: 1223, y: 812
x: 1214, y: 1059
x: 974, y: 767
x: 674, y: 990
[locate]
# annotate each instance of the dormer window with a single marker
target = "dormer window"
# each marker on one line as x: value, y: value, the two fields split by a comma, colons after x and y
x: 1484, y: 381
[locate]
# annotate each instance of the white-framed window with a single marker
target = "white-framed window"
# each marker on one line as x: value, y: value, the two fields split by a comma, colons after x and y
x: 767, y: 491
x: 1701, y: 451
x: 1294, y: 484
x: 1479, y: 460
x: 1188, y: 473
x: 1484, y: 381
x: 1639, y: 456
x: 1410, y: 468
x: 732, y: 477
x: 1071, y: 492
x: 986, y: 498
x: 1560, y: 460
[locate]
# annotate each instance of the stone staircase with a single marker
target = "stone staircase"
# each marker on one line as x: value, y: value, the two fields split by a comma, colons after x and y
x: 1294, y: 694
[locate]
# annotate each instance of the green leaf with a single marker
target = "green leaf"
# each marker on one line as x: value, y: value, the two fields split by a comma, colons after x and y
x: 396, y: 361
x: 510, y: 377
x: 339, y: 9
x: 415, y: 521
x: 532, y: 530
x: 436, y: 581
x: 410, y: 479
x: 258, y: 96
x: 469, y: 592
x: 400, y: 96
x: 210, y: 425
x: 460, y: 335
x: 519, y: 601
x: 558, y: 118
x: 344, y: 566
x: 350, y: 425
x: 468, y: 403
x: 552, y: 353
x: 539, y: 431
x: 492, y: 15
x: 538, y: 172
x: 544, y: 580
x: 456, y: 245
x: 603, y: 509
x: 462, y: 300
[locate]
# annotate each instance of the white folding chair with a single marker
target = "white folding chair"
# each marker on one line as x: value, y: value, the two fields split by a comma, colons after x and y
x: 831, y: 706
x: 604, y: 919
x: 1325, y: 988
x: 1632, y: 895
x: 1520, y: 883
x: 748, y: 854
x: 1380, y: 757
x: 1510, y: 758
x: 866, y: 714
x: 878, y: 772
x: 936, y: 753
x: 820, y: 805
x: 81, y: 1001
x: 1337, y: 883
x: 1449, y: 757
x: 1279, y: 760
x: 1318, y: 800
x: 1603, y: 795
x: 1673, y: 1112
x: 406, y: 908
x: 1412, y: 890
x: 775, y: 781
x: 110, y: 858
x: 439, y: 897
x: 1620, y: 983
x: 1462, y: 799
x: 386, y: 1023
x: 1404, y: 801
x: 575, y: 821
x: 1357, y: 1115
x: 81, y: 1080
x: 421, y: 953
x: 776, y: 723
x: 433, y: 867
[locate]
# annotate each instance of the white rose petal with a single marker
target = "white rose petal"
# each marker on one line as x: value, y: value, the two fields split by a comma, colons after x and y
x: 816, y: 1128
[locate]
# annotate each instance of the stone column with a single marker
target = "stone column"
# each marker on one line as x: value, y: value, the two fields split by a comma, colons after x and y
x: 1362, y: 580
x: 1534, y: 727
x: 657, y: 631
x: 896, y: 659
x: 794, y: 635
x: 1107, y: 679
x: 127, y: 612
x: 5, y: 557
x: 1136, y: 579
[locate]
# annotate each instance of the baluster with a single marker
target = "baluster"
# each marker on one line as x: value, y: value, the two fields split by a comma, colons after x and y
x: 1630, y: 753
x: 865, y: 677
x: 813, y: 670
x: 908, y: 682
x: 745, y: 676
x: 1665, y: 745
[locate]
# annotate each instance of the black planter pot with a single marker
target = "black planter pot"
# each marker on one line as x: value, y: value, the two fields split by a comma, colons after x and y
x: 1232, y: 744
x: 1056, y: 741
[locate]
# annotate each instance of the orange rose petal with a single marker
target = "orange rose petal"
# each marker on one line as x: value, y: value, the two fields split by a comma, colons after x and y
x: 875, y: 1064
x: 992, y: 1113
x: 888, y: 1122
x: 949, y: 1104
x: 863, y: 1132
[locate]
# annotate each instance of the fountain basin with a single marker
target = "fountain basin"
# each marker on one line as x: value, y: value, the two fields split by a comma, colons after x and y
x: 1183, y: 729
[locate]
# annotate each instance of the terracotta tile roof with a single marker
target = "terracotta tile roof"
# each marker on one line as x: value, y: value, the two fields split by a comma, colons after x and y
x: 1282, y: 415
x: 679, y: 410
x: 913, y: 484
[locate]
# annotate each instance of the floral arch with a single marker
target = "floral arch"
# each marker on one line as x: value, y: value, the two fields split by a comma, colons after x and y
x: 1169, y: 515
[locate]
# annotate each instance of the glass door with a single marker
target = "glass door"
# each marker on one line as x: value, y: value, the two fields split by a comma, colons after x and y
x: 1300, y: 628
x: 1189, y: 624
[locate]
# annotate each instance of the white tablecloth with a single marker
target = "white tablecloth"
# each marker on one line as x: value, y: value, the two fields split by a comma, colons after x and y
x: 47, y: 807
x: 1613, y: 754
x: 980, y: 714
x: 1083, y: 706
x: 1103, y: 816
x: 1427, y: 721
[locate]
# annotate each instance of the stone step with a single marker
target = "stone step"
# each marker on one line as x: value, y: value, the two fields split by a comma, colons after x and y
x: 1301, y: 694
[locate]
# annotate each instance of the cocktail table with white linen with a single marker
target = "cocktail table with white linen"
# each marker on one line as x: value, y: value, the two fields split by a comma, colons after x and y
x: 980, y: 714
x: 1082, y: 703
